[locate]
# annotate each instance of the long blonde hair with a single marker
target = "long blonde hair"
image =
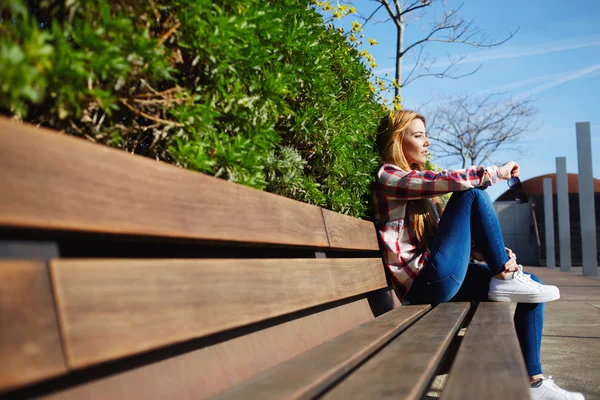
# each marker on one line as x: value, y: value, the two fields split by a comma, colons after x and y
x: 390, y: 135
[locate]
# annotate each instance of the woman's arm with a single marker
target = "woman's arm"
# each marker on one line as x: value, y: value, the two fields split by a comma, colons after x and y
x: 411, y: 185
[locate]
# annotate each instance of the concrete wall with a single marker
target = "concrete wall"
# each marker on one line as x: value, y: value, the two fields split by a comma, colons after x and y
x: 517, y: 230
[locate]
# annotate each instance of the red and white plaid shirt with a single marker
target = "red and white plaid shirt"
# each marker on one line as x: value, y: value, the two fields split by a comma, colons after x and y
x: 392, y: 190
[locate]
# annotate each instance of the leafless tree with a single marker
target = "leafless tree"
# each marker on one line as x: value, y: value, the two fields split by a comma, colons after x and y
x: 449, y: 27
x: 471, y: 129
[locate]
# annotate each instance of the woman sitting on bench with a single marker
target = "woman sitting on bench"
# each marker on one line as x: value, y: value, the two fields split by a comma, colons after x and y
x: 428, y: 252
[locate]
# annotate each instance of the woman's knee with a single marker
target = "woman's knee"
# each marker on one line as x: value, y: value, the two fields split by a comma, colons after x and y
x: 475, y: 193
x: 481, y: 194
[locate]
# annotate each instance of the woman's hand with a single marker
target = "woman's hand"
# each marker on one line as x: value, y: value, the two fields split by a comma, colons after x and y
x: 510, y: 253
x: 511, y: 264
x: 510, y: 170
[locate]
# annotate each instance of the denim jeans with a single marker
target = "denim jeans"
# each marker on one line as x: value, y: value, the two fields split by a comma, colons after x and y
x: 448, y: 275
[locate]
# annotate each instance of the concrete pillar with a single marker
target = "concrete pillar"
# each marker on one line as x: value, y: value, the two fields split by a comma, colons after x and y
x: 564, y: 225
x: 586, y: 199
x: 549, y: 223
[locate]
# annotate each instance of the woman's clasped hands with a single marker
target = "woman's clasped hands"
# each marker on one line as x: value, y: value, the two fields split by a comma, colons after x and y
x: 510, y: 170
x: 511, y: 264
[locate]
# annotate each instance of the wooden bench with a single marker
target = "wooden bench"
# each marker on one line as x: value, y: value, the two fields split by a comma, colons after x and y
x: 125, y: 278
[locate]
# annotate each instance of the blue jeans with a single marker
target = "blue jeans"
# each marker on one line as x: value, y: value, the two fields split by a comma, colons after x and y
x: 448, y: 275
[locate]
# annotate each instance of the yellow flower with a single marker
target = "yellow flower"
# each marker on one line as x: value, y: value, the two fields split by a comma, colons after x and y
x: 353, y: 38
x: 356, y: 26
x: 327, y: 6
x: 372, y: 42
x: 395, y: 83
x: 352, y: 10
x: 341, y: 30
x: 363, y: 53
x: 343, y: 7
x: 337, y: 14
x: 371, y: 87
x: 397, y: 103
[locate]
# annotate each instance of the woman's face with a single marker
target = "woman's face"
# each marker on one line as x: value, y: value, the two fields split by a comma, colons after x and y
x: 415, y: 143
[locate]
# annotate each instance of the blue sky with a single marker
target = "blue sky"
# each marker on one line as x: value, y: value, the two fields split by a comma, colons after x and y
x: 554, y: 59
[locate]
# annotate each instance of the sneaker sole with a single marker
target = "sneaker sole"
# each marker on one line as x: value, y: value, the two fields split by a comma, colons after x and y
x: 525, y: 298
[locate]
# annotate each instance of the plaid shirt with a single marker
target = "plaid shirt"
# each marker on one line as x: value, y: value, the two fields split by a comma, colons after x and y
x: 392, y: 190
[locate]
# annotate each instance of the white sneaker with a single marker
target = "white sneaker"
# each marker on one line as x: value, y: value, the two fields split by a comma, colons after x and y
x: 548, y: 390
x: 521, y: 289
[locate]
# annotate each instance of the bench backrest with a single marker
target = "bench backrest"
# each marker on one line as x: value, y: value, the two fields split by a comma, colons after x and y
x: 122, y: 276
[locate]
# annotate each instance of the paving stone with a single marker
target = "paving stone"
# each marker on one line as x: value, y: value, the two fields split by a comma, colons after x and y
x: 574, y: 363
x: 590, y: 293
x: 572, y: 318
x: 571, y: 342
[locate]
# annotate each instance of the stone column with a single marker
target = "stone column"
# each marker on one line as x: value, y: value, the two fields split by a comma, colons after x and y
x: 586, y: 199
x: 564, y: 225
x: 549, y: 223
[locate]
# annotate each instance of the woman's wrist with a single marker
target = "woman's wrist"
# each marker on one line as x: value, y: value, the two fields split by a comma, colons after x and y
x: 495, y: 172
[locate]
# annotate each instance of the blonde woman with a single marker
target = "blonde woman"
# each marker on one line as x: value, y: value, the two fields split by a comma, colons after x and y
x: 427, y: 249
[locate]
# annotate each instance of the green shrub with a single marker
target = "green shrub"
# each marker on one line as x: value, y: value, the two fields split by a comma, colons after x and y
x: 262, y: 93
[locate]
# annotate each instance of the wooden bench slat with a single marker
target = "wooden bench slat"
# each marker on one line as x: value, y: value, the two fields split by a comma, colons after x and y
x: 114, y: 308
x: 404, y: 368
x: 30, y: 345
x: 490, y: 344
x: 207, y: 370
x: 309, y: 374
x: 345, y: 232
x: 52, y: 181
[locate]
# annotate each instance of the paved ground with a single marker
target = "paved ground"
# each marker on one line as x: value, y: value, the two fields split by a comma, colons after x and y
x: 571, y: 336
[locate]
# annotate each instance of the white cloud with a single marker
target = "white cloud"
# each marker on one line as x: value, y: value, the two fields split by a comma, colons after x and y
x: 512, y: 52
x: 563, y: 78
x: 517, y: 84
x: 553, y: 47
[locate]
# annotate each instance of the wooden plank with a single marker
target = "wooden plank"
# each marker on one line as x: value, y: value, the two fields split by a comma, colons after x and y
x: 114, y: 308
x: 490, y: 347
x: 30, y: 346
x: 310, y: 374
x: 404, y: 368
x: 53, y: 181
x: 207, y: 370
x: 346, y: 232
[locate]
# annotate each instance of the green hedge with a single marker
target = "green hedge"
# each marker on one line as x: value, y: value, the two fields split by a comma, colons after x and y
x: 258, y: 92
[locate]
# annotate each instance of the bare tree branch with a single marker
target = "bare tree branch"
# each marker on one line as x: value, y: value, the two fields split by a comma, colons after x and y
x: 444, y: 25
x: 475, y: 129
x: 368, y: 19
x: 393, y: 15
x: 449, y: 28
x: 415, y: 6
x: 443, y: 74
